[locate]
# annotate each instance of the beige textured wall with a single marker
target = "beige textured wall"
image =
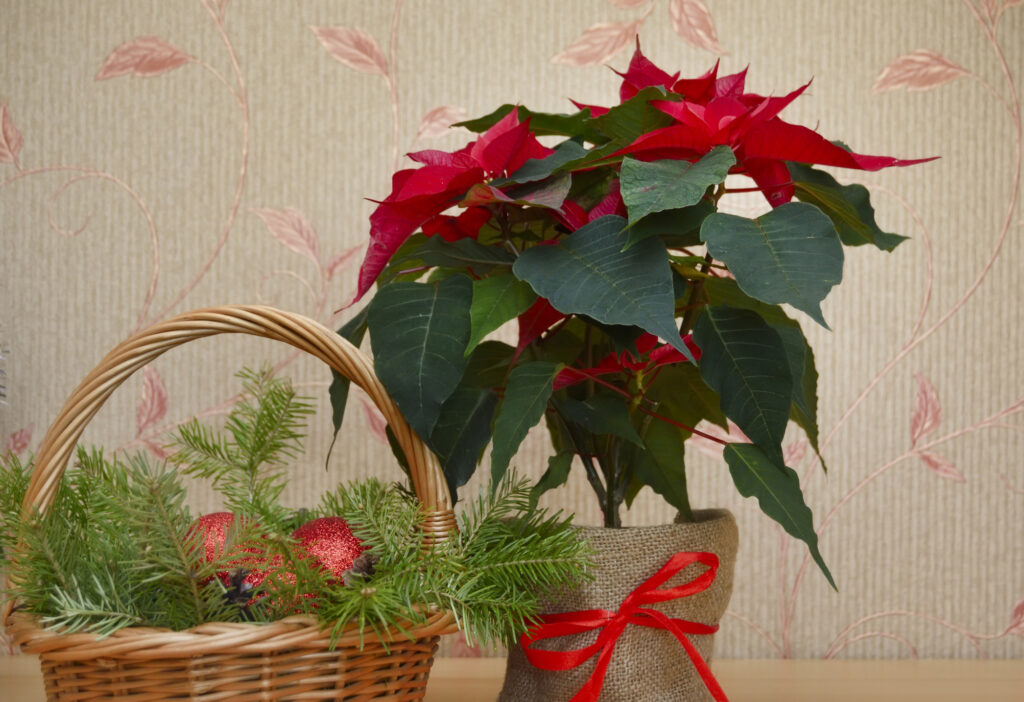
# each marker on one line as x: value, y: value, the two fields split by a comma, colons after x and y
x: 127, y: 199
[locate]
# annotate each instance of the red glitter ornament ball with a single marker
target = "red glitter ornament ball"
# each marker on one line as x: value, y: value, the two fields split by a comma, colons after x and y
x: 331, y: 544
x: 214, y: 529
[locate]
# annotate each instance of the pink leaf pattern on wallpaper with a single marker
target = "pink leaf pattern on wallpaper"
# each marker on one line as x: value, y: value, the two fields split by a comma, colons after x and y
x: 599, y: 43
x: 794, y: 452
x: 143, y: 57
x: 152, y: 405
x: 355, y: 48
x: 995, y: 8
x: 375, y: 420
x: 710, y: 447
x: 629, y: 3
x: 919, y: 70
x: 941, y: 466
x: 438, y: 121
x: 19, y: 440
x: 10, y: 137
x: 340, y: 261
x: 293, y: 230
x: 928, y: 413
x: 693, y: 22
x: 460, y: 648
x: 1017, y: 619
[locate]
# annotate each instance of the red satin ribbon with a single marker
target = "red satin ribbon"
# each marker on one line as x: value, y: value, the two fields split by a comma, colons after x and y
x: 612, y: 624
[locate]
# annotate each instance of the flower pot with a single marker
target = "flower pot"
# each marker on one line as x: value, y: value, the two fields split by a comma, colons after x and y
x: 647, y: 663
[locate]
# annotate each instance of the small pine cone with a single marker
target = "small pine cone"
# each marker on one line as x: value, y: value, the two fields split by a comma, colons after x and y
x: 362, y: 568
x: 240, y: 592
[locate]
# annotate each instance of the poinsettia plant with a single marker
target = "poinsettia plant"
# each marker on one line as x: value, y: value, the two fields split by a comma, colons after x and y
x: 641, y: 308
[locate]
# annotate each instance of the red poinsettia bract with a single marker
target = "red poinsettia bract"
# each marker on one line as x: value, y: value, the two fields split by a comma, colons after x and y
x: 715, y: 111
x: 650, y: 354
x: 419, y: 196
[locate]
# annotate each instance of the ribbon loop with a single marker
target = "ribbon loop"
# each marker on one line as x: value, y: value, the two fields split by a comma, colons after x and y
x: 611, y: 625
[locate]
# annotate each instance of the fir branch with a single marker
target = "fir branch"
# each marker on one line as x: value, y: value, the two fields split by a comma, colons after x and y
x: 270, y: 428
x: 98, y: 609
x: 14, y: 480
x: 149, y: 504
x: 262, y: 430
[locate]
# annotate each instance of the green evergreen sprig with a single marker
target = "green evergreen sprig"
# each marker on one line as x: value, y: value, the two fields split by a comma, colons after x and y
x: 247, y: 462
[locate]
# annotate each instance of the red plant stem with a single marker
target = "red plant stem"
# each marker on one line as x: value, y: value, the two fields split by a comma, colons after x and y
x: 730, y: 191
x: 674, y: 423
x: 604, y: 383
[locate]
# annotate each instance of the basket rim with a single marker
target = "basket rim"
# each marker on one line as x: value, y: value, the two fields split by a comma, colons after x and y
x: 235, y: 638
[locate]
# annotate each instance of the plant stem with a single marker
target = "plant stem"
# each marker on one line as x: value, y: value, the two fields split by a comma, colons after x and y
x: 588, y: 465
x: 696, y: 288
x: 610, y: 467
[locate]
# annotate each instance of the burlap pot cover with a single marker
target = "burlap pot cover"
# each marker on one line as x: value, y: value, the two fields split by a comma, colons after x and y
x: 649, y: 665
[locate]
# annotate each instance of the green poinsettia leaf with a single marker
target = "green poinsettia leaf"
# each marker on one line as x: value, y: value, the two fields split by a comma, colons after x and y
x: 805, y: 395
x: 625, y: 122
x: 496, y: 300
x: 541, y: 123
x: 671, y: 184
x: 418, y: 333
x: 554, y: 477
x: 789, y: 255
x: 621, y: 337
x: 352, y: 331
x: 796, y: 356
x: 462, y: 431
x: 588, y: 273
x: 661, y: 465
x: 677, y: 228
x: 598, y: 156
x: 540, y: 168
x: 601, y: 414
x: 725, y: 291
x: 482, y: 124
x: 682, y: 395
x: 526, y: 397
x: 777, y: 489
x: 744, y: 361
x: 799, y: 354
x: 549, y: 193
x: 404, y: 264
x: 848, y: 206
x: 462, y: 253
x: 488, y: 365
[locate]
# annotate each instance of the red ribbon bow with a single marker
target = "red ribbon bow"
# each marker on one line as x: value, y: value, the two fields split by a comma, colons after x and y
x: 612, y: 624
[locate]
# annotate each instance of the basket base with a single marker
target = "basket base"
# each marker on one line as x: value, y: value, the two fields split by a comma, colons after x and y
x: 347, y: 674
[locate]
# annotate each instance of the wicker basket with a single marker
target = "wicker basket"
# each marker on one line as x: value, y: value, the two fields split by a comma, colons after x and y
x: 290, y: 659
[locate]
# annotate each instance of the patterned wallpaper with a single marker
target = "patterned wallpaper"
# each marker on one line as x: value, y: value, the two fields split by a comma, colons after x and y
x: 159, y: 156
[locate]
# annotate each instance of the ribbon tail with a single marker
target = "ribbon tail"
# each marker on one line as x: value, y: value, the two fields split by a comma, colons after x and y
x: 591, y: 689
x: 701, y: 665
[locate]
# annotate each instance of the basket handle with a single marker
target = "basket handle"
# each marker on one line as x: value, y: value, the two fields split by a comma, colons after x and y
x: 428, y: 479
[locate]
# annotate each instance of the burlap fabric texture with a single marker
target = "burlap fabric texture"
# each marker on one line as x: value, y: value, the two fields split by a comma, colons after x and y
x: 649, y: 665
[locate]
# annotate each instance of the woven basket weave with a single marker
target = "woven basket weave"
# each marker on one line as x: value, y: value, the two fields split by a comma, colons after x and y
x: 290, y: 659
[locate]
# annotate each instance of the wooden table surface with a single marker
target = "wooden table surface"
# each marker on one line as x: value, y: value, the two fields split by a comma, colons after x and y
x: 470, y: 680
